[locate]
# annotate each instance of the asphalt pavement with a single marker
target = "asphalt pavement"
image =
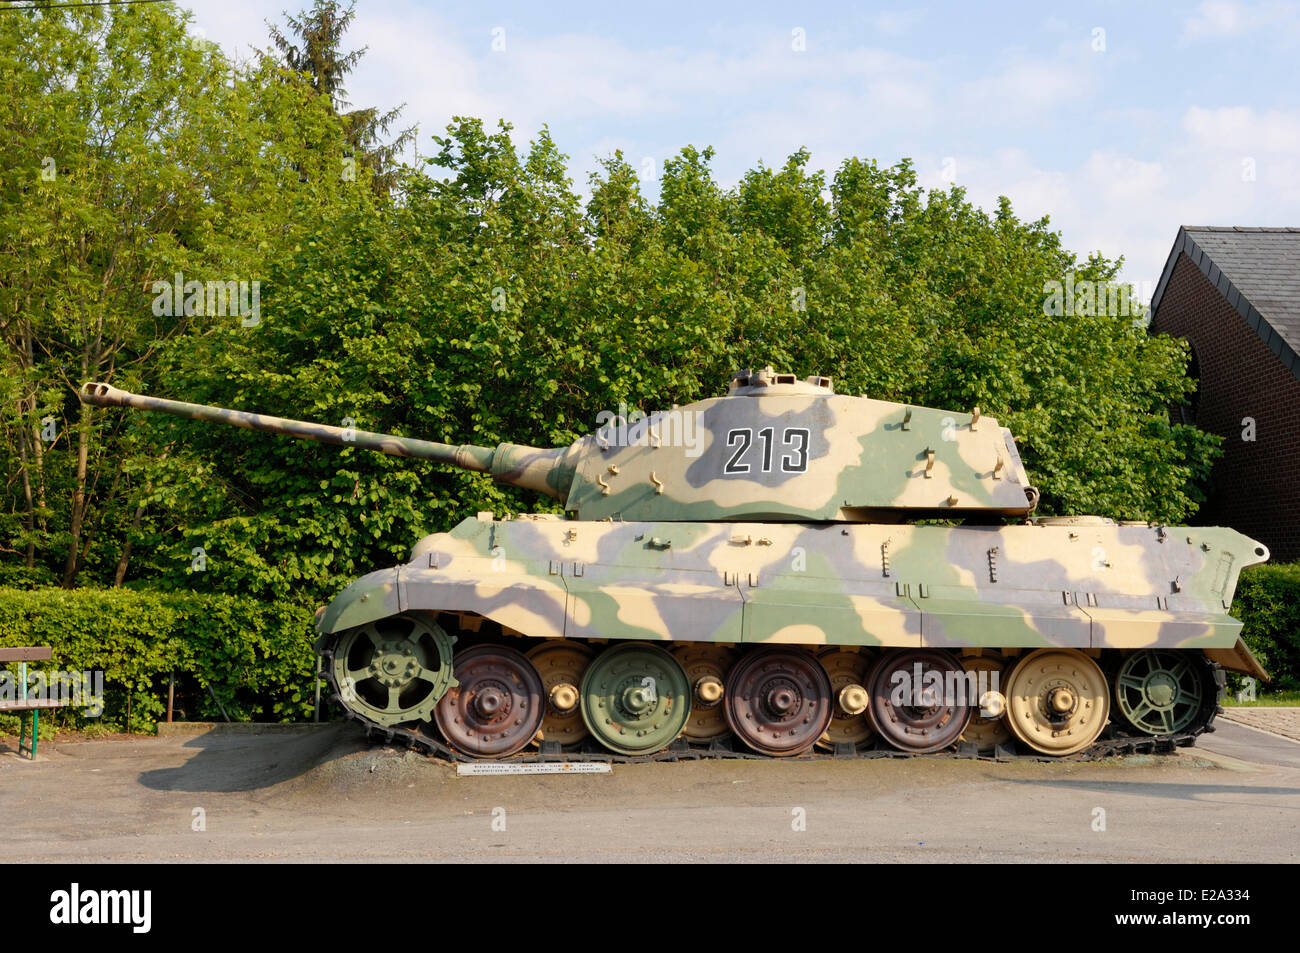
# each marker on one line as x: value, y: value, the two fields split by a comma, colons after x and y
x: 324, y: 794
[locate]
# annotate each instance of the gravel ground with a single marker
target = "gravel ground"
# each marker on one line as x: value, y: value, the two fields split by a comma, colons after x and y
x: 325, y: 795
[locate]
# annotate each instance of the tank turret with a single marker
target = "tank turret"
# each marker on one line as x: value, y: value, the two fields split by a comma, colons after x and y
x: 774, y: 448
x: 779, y: 448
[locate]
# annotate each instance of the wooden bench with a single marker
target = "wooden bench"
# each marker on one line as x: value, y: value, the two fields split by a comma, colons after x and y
x: 22, y: 705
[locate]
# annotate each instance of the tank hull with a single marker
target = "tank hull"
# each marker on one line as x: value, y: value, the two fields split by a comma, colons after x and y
x: 1088, y: 587
x: 1076, y: 593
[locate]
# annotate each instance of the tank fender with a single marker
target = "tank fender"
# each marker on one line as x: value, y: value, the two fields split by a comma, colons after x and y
x: 519, y: 602
x: 371, y: 597
x: 1239, y: 658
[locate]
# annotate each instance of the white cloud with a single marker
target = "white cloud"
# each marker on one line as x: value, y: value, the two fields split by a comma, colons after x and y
x: 1216, y: 19
x: 1122, y: 180
x: 1241, y: 130
x: 894, y: 22
x: 1120, y: 204
x: 1028, y: 88
x: 766, y: 98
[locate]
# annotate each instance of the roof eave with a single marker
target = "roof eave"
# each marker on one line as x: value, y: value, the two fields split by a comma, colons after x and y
x: 1184, y: 243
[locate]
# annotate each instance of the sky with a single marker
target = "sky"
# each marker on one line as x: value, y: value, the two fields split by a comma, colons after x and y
x: 1118, y: 121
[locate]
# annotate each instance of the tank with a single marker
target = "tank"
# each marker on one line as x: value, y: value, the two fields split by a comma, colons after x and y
x: 780, y: 571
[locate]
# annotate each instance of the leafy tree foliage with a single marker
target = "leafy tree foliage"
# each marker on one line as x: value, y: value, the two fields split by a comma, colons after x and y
x: 130, y: 154
x: 490, y: 302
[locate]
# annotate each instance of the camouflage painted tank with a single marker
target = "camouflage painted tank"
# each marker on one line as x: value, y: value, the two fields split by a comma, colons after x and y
x: 772, y: 570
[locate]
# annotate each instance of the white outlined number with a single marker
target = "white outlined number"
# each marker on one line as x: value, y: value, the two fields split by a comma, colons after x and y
x: 794, y: 446
x: 746, y: 439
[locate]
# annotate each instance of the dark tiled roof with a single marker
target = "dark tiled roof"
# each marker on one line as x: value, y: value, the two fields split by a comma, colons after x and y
x: 1257, y: 270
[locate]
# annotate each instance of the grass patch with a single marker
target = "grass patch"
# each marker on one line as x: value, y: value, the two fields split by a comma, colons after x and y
x: 1266, y: 700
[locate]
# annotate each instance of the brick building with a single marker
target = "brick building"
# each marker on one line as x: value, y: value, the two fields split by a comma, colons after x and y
x: 1234, y: 294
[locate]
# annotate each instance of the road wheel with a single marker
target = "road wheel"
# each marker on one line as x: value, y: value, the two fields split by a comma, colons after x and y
x: 779, y: 701
x: 635, y: 698
x: 1057, y: 701
x: 909, y: 703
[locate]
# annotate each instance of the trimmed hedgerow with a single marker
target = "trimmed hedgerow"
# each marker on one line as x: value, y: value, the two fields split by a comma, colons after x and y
x: 232, y: 656
x: 1268, y: 602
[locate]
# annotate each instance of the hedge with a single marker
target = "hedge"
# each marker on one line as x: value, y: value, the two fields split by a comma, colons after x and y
x: 253, y: 659
x: 1268, y: 601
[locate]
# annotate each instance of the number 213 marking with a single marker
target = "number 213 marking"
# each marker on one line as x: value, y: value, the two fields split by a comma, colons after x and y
x: 795, y: 440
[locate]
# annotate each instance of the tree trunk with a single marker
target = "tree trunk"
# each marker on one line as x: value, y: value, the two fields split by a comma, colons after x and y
x: 126, y: 548
x: 104, y: 508
x: 78, y: 502
x: 29, y: 518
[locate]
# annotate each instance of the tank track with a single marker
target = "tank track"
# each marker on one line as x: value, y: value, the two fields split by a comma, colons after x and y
x: 1114, y: 742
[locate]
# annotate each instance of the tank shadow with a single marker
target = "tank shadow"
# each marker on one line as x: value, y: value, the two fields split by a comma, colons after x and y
x: 238, y: 761
x: 1181, y: 792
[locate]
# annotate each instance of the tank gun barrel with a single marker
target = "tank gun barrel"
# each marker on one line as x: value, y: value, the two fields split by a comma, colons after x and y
x: 516, y: 465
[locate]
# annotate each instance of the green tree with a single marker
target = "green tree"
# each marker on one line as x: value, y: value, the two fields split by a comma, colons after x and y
x: 128, y: 153
x: 489, y: 304
x: 492, y: 305
x: 315, y: 50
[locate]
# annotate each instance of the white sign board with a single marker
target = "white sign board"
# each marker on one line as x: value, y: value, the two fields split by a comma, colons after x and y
x: 480, y: 768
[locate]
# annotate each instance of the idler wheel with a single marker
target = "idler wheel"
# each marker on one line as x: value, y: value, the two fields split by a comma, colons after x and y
x: 1057, y: 701
x: 917, y: 700
x: 778, y: 701
x: 498, y: 706
x: 1160, y: 692
x: 986, y: 733
x: 848, y: 672
x: 393, y: 670
x: 635, y: 698
x: 706, y: 666
x: 562, y: 663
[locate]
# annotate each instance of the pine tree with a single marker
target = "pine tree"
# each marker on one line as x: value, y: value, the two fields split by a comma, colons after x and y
x: 314, y: 47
